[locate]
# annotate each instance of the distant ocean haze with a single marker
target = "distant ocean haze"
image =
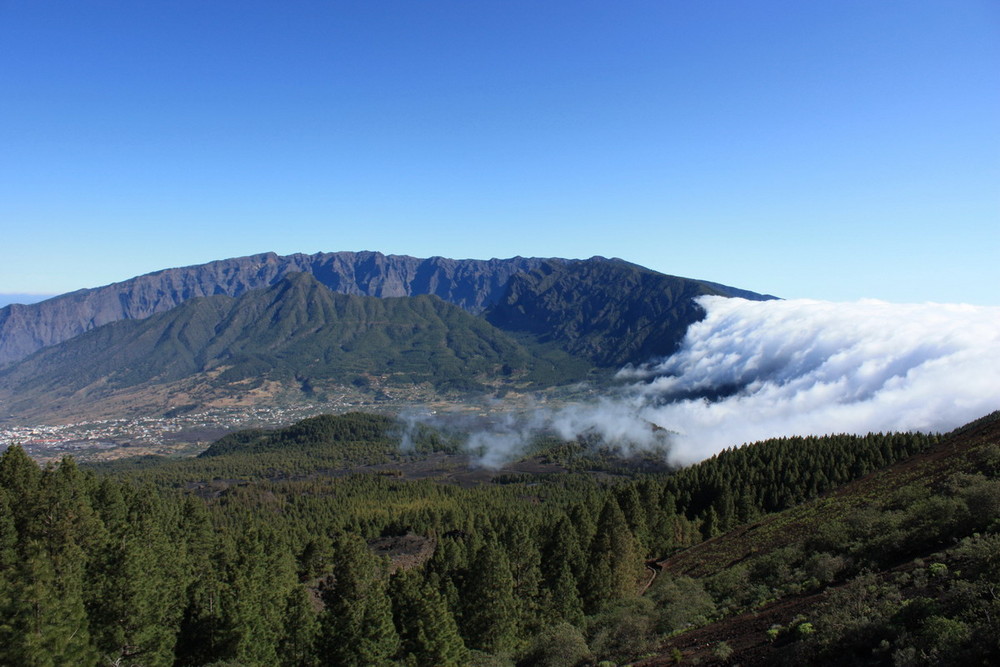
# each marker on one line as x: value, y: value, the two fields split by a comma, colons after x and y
x: 7, y: 299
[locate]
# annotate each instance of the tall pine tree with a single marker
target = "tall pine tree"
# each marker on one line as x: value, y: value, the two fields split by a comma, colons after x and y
x: 615, y: 565
x: 356, y: 628
x: 427, y: 630
x: 490, y: 618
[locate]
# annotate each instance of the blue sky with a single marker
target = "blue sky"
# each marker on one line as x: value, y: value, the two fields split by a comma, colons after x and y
x: 825, y: 149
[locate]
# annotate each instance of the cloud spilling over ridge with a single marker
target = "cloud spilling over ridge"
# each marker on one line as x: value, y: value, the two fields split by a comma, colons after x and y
x: 753, y: 370
x: 810, y: 367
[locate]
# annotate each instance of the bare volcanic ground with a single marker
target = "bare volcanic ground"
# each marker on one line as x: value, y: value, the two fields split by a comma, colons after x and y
x: 404, y: 551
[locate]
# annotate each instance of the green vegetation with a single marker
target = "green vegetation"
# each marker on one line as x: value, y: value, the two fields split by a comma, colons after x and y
x: 900, y: 567
x: 352, y: 438
x: 255, y: 554
x: 297, y: 332
x: 561, y: 323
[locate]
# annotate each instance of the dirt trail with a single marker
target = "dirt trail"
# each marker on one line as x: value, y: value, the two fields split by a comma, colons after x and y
x: 653, y: 569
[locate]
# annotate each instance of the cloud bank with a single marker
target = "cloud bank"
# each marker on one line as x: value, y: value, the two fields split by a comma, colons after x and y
x: 803, y: 367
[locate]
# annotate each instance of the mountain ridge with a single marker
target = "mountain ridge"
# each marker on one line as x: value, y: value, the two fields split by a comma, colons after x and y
x: 293, y: 331
x: 474, y: 285
x: 470, y: 284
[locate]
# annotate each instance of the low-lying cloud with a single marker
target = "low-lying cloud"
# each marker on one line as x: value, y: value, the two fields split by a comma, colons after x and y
x: 803, y: 367
x: 753, y: 370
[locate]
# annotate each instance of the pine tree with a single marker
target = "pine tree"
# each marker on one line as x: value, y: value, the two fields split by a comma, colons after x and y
x: 635, y: 516
x: 583, y: 515
x: 42, y: 596
x: 448, y: 568
x: 9, y: 602
x: 20, y: 476
x: 356, y: 628
x: 427, y: 630
x: 490, y: 618
x: 297, y: 647
x: 614, y: 564
x: 746, y: 509
x: 315, y: 557
x: 8, y: 533
x: 726, y: 509
x: 561, y: 546
x: 259, y: 575
x: 135, y: 581
x: 44, y: 619
x: 525, y: 569
x: 564, y: 601
x: 200, y: 637
x: 711, y: 526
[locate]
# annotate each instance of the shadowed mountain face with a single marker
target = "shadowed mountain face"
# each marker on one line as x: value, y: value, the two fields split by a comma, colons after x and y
x: 470, y: 284
x: 297, y: 329
x: 607, y: 311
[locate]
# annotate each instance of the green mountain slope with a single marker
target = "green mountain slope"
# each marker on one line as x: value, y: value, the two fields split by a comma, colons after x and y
x: 471, y: 284
x: 474, y: 285
x: 295, y: 331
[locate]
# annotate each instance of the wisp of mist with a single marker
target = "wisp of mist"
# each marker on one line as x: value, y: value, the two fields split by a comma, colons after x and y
x: 752, y: 370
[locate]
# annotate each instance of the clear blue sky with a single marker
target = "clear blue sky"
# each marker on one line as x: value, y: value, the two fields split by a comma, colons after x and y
x: 832, y: 149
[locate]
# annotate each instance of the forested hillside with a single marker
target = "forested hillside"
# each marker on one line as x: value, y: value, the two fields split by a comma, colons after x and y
x: 296, y: 333
x: 235, y: 558
x: 900, y: 567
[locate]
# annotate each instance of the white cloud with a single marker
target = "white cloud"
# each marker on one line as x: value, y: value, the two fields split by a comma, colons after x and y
x: 811, y: 367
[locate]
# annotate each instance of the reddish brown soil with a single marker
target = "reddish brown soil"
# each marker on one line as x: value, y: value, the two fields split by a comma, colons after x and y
x: 405, y: 551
